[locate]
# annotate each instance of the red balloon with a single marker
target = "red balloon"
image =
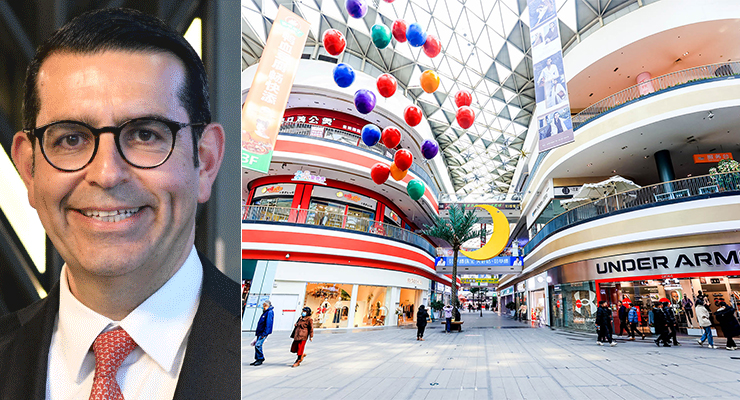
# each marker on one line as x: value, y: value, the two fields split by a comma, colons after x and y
x: 386, y: 85
x: 465, y: 117
x: 399, y: 30
x: 412, y: 114
x: 463, y: 98
x: 432, y: 46
x: 334, y: 42
x: 403, y: 159
x: 390, y: 137
x: 379, y: 173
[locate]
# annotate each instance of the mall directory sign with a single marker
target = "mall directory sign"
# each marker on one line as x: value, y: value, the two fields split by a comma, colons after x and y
x: 554, y: 124
x: 269, y: 91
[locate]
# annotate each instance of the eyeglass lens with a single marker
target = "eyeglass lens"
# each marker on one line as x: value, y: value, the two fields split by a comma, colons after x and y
x: 144, y: 143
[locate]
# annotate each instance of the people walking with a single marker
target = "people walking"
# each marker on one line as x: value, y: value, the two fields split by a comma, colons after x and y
x: 622, y: 314
x: 421, y: 322
x: 661, y: 326
x: 302, y: 331
x: 604, y: 323
x: 633, y: 318
x: 671, y: 320
x: 523, y: 312
x: 448, y: 318
x: 264, y: 328
x: 730, y: 327
x: 688, y: 309
x: 702, y: 314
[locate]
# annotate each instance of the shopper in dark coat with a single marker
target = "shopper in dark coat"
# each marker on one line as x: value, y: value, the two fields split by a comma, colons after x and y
x: 725, y: 315
x: 604, y: 323
x: 661, y: 326
x: 672, y: 322
x: 421, y: 322
x: 264, y: 328
x: 303, y: 331
x: 623, y: 310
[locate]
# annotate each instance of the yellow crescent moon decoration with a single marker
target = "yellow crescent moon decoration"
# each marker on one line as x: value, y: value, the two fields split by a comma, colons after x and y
x: 498, y: 240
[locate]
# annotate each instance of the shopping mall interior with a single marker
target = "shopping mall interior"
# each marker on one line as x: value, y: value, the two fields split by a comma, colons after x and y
x: 631, y: 196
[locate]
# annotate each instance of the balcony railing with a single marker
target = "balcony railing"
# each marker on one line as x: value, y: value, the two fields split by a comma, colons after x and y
x: 678, y: 190
x: 706, y: 72
x: 349, y: 139
x: 335, y: 220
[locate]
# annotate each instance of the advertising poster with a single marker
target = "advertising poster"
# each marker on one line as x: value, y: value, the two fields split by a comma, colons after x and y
x: 554, y: 124
x: 269, y: 91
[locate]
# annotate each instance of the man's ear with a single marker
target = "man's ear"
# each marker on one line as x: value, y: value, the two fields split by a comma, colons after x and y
x: 210, y: 154
x: 22, y: 154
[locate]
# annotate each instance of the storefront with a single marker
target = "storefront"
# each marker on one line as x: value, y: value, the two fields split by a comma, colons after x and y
x: 642, y: 279
x: 505, y: 297
x: 537, y: 299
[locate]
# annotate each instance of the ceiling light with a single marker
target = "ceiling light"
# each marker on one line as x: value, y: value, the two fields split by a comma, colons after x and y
x: 686, y: 54
x: 710, y: 115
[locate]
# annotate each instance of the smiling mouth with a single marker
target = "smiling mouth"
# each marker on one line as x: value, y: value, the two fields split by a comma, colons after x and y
x: 110, y: 216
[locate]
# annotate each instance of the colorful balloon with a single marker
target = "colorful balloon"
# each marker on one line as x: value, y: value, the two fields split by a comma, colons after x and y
x: 399, y: 30
x: 364, y: 101
x: 432, y: 46
x: 429, y: 149
x: 356, y: 8
x: 388, y: 1
x: 429, y: 81
x: 334, y: 42
x: 390, y: 137
x: 344, y: 75
x: 381, y: 35
x: 386, y: 84
x: 397, y: 173
x: 403, y: 159
x: 416, y: 35
x: 465, y: 117
x: 463, y: 98
x: 370, y: 135
x: 412, y: 115
x: 379, y: 173
x: 415, y: 188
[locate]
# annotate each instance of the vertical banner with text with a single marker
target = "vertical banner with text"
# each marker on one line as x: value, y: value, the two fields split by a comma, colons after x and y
x: 554, y: 125
x: 268, y: 94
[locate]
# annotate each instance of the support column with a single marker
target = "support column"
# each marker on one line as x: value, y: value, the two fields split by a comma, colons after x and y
x: 665, y: 168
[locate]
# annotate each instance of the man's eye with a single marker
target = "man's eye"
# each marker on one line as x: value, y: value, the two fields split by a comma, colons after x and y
x: 143, y: 136
x: 70, y: 141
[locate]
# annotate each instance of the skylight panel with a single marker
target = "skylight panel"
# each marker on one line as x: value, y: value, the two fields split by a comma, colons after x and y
x: 254, y: 19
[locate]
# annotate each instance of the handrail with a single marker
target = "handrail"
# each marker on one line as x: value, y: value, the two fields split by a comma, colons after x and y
x: 335, y: 220
x: 677, y: 190
x: 705, y: 72
x: 350, y: 139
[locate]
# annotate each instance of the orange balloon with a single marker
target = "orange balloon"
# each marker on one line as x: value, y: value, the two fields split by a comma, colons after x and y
x: 429, y: 81
x: 396, y: 173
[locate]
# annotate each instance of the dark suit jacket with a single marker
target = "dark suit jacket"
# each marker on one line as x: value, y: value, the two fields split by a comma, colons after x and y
x: 210, y: 370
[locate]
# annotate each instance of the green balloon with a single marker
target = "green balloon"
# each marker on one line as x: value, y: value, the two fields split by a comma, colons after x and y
x: 381, y: 35
x: 415, y: 189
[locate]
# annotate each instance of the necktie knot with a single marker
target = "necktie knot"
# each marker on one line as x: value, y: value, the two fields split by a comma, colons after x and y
x: 110, y: 349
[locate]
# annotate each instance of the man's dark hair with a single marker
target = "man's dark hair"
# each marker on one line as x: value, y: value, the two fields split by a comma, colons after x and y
x: 129, y: 30
x: 602, y: 302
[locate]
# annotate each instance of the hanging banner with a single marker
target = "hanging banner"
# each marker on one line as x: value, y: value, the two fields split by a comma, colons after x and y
x: 268, y: 94
x: 554, y: 125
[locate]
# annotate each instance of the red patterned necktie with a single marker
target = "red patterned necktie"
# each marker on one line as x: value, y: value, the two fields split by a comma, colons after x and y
x: 110, y: 349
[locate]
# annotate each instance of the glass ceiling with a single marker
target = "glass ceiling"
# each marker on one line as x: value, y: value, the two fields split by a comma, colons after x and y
x: 485, y: 50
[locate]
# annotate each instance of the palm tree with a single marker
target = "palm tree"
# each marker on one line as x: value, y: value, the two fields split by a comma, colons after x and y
x: 456, y: 230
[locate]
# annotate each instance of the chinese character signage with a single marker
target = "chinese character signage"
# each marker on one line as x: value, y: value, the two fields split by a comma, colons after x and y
x: 711, y: 158
x: 463, y: 261
x: 268, y: 94
x: 554, y: 125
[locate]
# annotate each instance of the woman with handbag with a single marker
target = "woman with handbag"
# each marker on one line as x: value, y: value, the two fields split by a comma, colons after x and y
x: 302, y: 331
x: 421, y: 322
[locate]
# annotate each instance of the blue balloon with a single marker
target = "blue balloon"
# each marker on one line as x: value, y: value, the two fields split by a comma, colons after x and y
x: 356, y: 8
x: 364, y: 101
x: 416, y: 35
x: 344, y: 75
x: 370, y: 135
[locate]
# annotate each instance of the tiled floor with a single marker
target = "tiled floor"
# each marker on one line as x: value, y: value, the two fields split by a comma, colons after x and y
x: 493, y: 358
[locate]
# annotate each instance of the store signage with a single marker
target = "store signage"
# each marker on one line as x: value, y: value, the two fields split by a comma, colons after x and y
x: 332, y: 194
x: 467, y: 262
x: 305, y: 176
x: 542, y: 201
x: 500, y: 206
x: 566, y: 191
x: 479, y: 280
x: 711, y: 157
x: 414, y: 281
x: 508, y: 291
x: 269, y: 91
x: 321, y: 118
x: 662, y: 263
x: 282, y: 189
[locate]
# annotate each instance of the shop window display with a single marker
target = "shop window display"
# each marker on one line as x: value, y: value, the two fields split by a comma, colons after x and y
x: 359, y: 219
x: 271, y: 209
x: 575, y: 306
x: 330, y: 302
x: 370, y: 309
x: 326, y: 214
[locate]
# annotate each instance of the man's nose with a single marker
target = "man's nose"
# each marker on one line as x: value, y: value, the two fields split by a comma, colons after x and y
x: 108, y: 168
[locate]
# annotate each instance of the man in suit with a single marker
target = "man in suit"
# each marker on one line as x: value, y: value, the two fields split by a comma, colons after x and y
x: 117, y: 151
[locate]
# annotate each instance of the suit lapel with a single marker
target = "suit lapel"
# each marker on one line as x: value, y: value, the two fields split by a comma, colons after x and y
x: 211, y: 367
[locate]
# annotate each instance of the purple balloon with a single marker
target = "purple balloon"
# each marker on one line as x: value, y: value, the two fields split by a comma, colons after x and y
x: 356, y: 8
x: 429, y: 149
x: 364, y: 101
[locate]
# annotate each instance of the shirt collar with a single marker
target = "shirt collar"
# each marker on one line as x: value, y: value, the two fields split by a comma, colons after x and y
x: 159, y: 325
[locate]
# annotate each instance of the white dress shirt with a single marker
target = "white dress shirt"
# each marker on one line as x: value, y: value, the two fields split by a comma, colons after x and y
x: 160, y: 326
